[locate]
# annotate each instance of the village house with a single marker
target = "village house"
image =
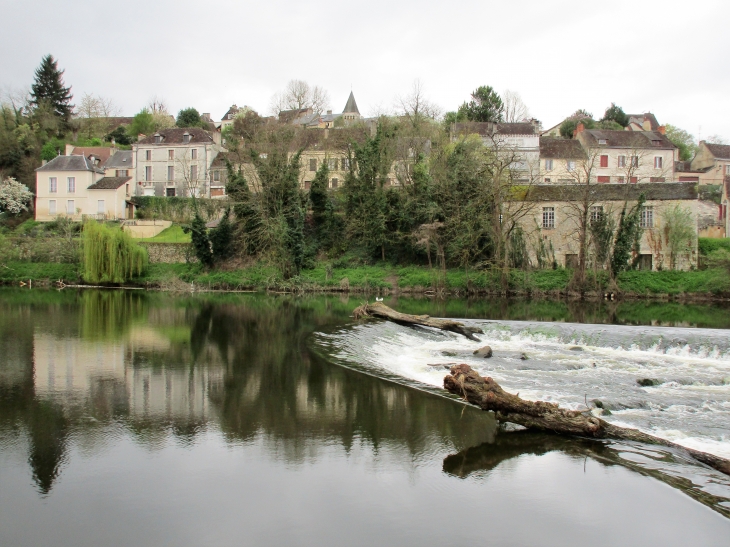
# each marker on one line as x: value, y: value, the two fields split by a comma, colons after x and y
x: 73, y: 187
x: 121, y: 164
x: 713, y: 162
x: 553, y: 223
x: 174, y: 162
x: 628, y: 156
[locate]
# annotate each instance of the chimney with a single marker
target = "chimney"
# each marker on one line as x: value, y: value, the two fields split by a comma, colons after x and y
x: 579, y: 129
x: 329, y: 112
x: 662, y: 129
x: 69, y: 149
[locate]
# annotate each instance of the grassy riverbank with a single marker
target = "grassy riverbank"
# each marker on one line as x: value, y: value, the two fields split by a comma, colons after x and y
x: 712, y: 283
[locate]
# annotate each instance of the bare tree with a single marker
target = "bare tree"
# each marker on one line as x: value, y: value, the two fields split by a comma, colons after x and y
x: 298, y: 95
x: 94, y: 112
x: 157, y: 105
x: 514, y: 109
x: 415, y: 107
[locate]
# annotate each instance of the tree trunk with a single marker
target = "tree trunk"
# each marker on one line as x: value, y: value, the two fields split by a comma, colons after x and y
x: 487, y: 394
x: 378, y: 309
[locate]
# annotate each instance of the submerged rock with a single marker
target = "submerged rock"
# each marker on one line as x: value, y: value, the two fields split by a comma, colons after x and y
x: 485, y: 352
x: 575, y: 348
x: 648, y: 382
x: 524, y: 356
x: 448, y: 353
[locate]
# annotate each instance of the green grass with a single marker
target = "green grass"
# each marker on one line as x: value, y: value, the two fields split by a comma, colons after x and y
x: 708, y: 244
x: 173, y: 234
x: 15, y: 272
x: 672, y: 282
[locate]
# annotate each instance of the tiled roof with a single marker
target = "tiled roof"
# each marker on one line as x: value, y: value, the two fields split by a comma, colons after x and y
x: 102, y: 153
x: 109, y: 183
x: 559, y: 148
x: 626, y: 139
x: 639, y: 119
x: 69, y: 163
x: 122, y: 159
x: 654, y: 191
x: 719, y: 151
x: 516, y: 129
x: 175, y: 136
x: 231, y: 113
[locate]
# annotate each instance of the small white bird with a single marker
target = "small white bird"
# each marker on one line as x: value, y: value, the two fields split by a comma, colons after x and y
x: 378, y: 299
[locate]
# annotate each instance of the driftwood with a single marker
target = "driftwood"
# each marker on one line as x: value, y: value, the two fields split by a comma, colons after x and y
x: 378, y: 309
x: 487, y: 394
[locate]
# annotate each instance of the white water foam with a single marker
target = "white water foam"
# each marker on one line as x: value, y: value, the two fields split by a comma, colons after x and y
x: 571, y: 364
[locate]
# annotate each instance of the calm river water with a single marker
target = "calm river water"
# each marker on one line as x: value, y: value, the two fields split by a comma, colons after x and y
x: 134, y: 418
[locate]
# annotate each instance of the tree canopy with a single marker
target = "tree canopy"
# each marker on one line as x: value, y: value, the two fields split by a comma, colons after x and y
x: 485, y: 106
x: 682, y: 140
x: 189, y: 117
x: 616, y: 114
x: 49, y: 90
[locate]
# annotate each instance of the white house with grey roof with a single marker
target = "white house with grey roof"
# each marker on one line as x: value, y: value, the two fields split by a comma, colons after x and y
x: 174, y: 162
x: 75, y: 188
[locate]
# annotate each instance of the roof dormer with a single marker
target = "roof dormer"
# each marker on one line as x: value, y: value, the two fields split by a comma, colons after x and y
x: 186, y: 137
x: 158, y: 138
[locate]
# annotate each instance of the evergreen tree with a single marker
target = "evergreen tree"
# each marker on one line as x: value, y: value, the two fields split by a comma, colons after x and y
x: 616, y: 114
x: 485, y: 106
x: 221, y: 238
x: 189, y: 117
x: 319, y: 198
x: 200, y: 240
x: 49, y: 89
x: 628, y: 236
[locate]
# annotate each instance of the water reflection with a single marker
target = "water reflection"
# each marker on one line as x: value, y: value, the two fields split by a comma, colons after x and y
x: 78, y: 366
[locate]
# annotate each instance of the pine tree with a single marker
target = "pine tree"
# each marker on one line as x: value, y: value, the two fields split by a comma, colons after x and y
x: 49, y: 89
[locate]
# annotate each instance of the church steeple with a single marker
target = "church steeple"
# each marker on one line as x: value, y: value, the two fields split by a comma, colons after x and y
x: 351, y: 106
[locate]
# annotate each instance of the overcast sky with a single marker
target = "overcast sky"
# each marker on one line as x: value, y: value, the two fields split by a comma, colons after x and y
x: 670, y: 58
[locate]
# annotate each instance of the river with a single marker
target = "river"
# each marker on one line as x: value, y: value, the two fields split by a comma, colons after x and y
x: 145, y: 418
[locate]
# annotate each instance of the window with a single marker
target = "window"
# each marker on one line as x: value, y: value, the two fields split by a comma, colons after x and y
x: 345, y: 164
x: 158, y: 138
x: 727, y: 170
x: 51, y: 206
x: 148, y: 173
x: 70, y: 207
x: 604, y: 179
x: 216, y: 175
x: 656, y: 142
x: 193, y: 172
x: 647, y: 217
x: 657, y: 162
x: 332, y: 164
x: 657, y: 179
x: 71, y: 185
x: 170, y: 192
x: 307, y: 184
x: 52, y: 185
x: 604, y: 161
x: 186, y: 137
x: 170, y: 154
x: 170, y: 172
x: 335, y: 182
x: 596, y: 213
x: 548, y: 165
x: 622, y: 161
x: 547, y: 179
x: 100, y: 209
x: 620, y: 179
x: 313, y: 165
x: 148, y: 155
x: 634, y: 180
x: 127, y: 188
x: 601, y: 141
x: 548, y: 218
x: 634, y: 161
x: 194, y: 154
x: 571, y: 165
x: 122, y: 173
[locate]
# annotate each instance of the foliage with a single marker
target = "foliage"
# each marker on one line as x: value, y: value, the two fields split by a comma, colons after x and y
x: 485, y: 106
x: 602, y: 231
x: 568, y: 127
x: 189, y: 117
x: 221, y: 238
x: 48, y: 89
x: 51, y: 149
x: 683, y: 140
x: 679, y: 233
x: 628, y: 234
x: 200, y: 240
x: 14, y: 197
x: 176, y: 208
x: 142, y: 124
x: 119, y: 136
x: 110, y: 255
x: 707, y: 245
x: 616, y: 114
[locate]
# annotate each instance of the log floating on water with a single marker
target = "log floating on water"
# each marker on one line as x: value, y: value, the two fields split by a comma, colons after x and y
x: 487, y: 394
x: 378, y: 309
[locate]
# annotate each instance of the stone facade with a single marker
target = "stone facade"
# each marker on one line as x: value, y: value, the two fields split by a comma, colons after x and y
x: 169, y: 253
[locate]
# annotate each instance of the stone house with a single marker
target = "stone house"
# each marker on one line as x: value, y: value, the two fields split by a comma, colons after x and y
x: 174, y: 162
x: 121, y: 164
x: 553, y: 220
x: 628, y: 156
x: 713, y: 161
x: 73, y: 187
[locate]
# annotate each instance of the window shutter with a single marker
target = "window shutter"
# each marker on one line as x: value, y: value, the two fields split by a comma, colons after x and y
x: 604, y: 161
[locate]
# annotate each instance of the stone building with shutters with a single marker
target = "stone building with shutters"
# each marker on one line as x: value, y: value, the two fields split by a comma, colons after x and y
x: 174, y: 162
x: 553, y: 222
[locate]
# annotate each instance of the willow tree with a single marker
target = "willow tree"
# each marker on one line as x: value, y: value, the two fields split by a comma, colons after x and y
x: 110, y: 255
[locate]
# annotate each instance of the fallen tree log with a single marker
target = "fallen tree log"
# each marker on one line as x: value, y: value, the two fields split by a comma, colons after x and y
x: 487, y: 394
x: 378, y: 309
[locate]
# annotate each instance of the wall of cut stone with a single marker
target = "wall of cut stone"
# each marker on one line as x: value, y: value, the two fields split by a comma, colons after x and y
x: 169, y: 253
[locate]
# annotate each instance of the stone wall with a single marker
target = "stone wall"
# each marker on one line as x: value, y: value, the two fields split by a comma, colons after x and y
x: 169, y: 253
